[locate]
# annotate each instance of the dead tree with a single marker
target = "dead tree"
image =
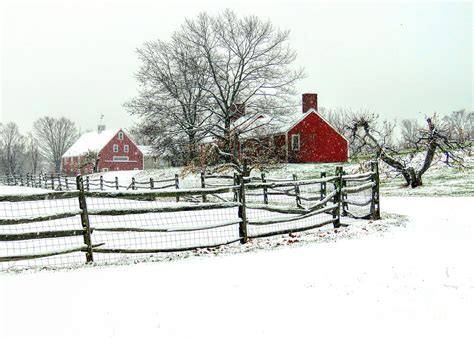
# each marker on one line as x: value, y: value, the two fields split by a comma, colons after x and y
x: 431, y: 139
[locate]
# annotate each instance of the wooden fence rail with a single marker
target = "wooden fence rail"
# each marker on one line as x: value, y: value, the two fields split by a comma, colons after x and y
x: 305, y: 205
x: 60, y: 182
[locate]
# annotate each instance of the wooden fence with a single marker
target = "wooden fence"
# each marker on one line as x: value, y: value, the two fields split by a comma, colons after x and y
x: 254, y: 207
x: 59, y: 182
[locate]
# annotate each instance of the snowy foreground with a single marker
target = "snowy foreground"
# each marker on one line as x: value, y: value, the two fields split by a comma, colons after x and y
x: 415, y: 280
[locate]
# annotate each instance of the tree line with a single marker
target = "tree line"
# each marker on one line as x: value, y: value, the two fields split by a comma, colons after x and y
x: 40, y: 150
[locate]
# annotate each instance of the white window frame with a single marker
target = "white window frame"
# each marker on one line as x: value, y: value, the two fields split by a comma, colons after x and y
x: 116, y: 148
x: 104, y: 170
x: 120, y: 136
x: 120, y: 159
x: 295, y: 142
x: 125, y: 148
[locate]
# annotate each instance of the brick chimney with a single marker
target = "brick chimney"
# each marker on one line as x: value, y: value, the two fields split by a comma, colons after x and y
x: 310, y: 100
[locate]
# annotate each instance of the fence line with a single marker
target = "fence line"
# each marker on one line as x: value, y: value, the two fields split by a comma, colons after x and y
x: 61, y: 182
x: 116, y: 223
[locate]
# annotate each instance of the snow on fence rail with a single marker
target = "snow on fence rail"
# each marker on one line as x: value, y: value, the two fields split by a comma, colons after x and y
x: 61, y: 182
x: 63, y: 228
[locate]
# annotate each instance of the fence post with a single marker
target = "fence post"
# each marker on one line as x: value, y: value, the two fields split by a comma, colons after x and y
x: 101, y: 182
x: 297, y: 191
x: 152, y: 183
x: 21, y: 179
x: 85, y: 219
x: 87, y: 183
x: 203, y: 185
x: 176, y: 184
x: 336, y: 213
x: 236, y: 183
x: 344, y: 197
x: 375, y: 202
x: 265, y: 190
x: 52, y: 181
x: 66, y: 181
x: 59, y: 182
x: 133, y: 183
x: 242, y: 211
x: 116, y: 183
x: 323, y: 186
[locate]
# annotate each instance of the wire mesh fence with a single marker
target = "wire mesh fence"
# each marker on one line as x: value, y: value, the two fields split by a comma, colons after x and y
x: 32, y: 228
x: 60, y: 182
x: 63, y: 228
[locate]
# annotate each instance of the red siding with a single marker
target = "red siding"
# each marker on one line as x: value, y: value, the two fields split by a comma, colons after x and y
x: 134, y: 154
x: 319, y: 142
x: 106, y: 157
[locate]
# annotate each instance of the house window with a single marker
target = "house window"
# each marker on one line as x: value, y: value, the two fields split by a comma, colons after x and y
x: 120, y: 136
x: 125, y: 148
x: 295, y: 142
x: 120, y: 159
x: 104, y: 170
x: 116, y: 148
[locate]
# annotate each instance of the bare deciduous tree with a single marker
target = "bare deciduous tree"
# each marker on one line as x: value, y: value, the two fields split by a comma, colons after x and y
x: 461, y: 125
x: 430, y: 139
x: 12, y: 148
x: 33, y: 156
x: 172, y: 95
x: 54, y: 137
x: 410, y: 132
x: 249, y: 63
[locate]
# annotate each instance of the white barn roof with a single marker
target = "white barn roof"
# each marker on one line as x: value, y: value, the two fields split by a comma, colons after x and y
x: 92, y: 141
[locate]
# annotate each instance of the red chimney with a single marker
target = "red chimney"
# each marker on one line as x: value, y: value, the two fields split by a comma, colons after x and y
x: 310, y: 101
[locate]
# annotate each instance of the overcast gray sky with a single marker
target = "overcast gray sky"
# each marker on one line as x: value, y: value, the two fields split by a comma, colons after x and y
x: 77, y: 58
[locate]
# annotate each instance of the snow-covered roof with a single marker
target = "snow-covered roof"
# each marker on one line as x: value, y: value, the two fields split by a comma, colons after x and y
x: 92, y: 141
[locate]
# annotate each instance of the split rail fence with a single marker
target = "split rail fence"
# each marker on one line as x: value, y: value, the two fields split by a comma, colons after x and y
x: 58, y: 182
x: 62, y: 228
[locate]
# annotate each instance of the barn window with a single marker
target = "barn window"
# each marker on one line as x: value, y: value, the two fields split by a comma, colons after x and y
x: 125, y: 148
x: 295, y: 142
x: 116, y: 148
x: 120, y: 136
x: 120, y: 159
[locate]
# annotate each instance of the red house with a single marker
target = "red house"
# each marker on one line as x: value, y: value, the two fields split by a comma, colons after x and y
x: 114, y: 151
x: 299, y: 137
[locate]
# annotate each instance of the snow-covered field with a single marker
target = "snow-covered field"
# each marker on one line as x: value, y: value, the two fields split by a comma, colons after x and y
x: 415, y: 280
x: 440, y: 179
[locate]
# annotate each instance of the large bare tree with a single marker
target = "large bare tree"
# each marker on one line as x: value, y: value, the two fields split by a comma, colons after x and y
x: 241, y: 61
x: 12, y: 148
x: 54, y: 136
x: 172, y: 101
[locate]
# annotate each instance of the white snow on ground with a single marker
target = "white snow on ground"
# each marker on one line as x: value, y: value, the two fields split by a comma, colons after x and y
x: 17, y: 190
x: 414, y: 281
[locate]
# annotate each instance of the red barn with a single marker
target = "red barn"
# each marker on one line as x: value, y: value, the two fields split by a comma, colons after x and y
x: 114, y: 151
x: 299, y: 137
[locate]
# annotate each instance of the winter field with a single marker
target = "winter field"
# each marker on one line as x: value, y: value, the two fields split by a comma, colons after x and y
x: 413, y: 278
x: 409, y: 274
